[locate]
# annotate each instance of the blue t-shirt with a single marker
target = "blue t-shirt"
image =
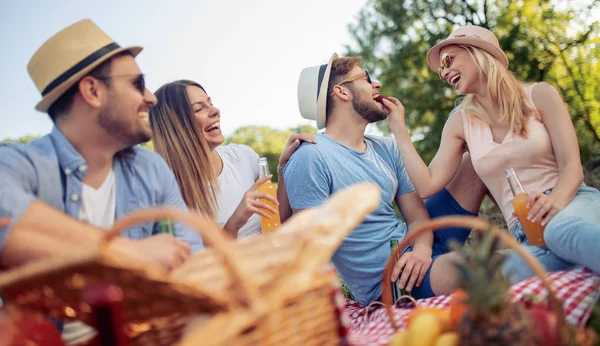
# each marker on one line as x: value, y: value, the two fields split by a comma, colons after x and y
x: 315, y: 171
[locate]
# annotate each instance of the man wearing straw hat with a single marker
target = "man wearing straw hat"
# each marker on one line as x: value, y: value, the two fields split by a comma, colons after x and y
x: 62, y: 191
x: 342, y: 98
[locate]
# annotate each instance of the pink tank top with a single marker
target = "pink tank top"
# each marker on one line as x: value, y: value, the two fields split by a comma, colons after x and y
x: 532, y: 158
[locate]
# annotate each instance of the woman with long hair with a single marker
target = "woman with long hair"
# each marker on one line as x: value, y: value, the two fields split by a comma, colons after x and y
x: 220, y: 181
x: 504, y: 124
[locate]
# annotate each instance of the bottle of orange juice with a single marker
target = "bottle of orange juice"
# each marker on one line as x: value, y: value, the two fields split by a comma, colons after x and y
x: 534, y: 231
x: 268, y: 225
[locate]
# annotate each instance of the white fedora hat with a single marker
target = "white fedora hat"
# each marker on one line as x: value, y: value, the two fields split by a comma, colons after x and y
x: 312, y: 92
x: 68, y: 56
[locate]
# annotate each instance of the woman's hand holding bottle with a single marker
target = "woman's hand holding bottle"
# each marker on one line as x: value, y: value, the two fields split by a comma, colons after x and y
x: 252, y: 203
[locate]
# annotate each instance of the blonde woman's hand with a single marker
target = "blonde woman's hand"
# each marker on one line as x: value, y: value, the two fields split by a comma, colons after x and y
x: 542, y: 207
x: 396, y: 119
x: 252, y: 203
x: 292, y: 144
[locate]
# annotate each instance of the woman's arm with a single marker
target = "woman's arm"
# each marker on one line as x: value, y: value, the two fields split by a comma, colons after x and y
x: 293, y: 142
x: 428, y: 180
x: 558, y: 122
x: 285, y: 211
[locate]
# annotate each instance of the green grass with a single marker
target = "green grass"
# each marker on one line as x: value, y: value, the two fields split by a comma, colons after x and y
x: 594, y: 321
x: 345, y: 289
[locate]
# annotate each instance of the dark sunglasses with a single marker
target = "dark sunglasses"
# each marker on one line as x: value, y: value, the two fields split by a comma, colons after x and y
x: 446, y: 62
x: 139, y: 82
x: 357, y: 76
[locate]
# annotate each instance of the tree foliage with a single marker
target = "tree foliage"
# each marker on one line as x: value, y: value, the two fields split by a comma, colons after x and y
x: 553, y: 41
x: 22, y: 140
x: 267, y: 142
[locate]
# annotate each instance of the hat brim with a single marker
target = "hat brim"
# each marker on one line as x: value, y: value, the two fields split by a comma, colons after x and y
x: 57, y: 92
x: 322, y: 99
x: 433, y: 55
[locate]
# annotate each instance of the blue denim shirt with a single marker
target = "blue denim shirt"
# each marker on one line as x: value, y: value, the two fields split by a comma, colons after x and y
x: 51, y: 170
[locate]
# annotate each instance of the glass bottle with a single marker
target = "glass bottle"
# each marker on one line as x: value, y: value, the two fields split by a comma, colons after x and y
x: 534, y: 231
x: 106, y: 302
x: 268, y: 224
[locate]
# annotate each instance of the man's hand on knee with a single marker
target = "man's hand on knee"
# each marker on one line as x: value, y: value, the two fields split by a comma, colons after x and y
x: 412, y: 267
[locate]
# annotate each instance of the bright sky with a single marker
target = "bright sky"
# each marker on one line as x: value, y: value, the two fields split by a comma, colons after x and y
x: 247, y: 54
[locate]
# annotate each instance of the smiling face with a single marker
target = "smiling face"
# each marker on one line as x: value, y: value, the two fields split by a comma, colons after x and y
x: 206, y: 115
x: 364, y: 94
x: 458, y: 69
x: 124, y: 115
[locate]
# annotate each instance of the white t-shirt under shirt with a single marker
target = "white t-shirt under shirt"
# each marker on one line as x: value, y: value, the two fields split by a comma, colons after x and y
x: 240, y: 171
x: 98, y: 209
x: 98, y: 206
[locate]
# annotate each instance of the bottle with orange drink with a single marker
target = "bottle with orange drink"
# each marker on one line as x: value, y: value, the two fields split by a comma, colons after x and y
x: 268, y: 224
x: 534, y: 231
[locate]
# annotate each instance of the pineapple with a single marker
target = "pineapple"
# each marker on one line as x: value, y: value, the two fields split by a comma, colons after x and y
x: 490, y: 318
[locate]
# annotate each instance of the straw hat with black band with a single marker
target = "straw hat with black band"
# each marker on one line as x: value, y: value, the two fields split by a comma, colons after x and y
x: 68, y: 56
x: 312, y: 92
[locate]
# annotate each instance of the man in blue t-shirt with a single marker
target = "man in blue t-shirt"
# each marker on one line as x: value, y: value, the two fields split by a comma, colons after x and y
x: 341, y: 96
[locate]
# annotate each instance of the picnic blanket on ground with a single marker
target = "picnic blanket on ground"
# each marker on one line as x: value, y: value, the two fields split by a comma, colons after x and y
x: 577, y: 289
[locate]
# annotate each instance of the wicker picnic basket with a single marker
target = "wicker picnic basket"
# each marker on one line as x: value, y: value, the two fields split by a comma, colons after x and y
x: 272, y: 289
x: 296, y: 284
x: 476, y: 224
x: 156, y: 309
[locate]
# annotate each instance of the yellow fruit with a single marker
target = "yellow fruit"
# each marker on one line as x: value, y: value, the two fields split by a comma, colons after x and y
x: 442, y: 314
x: 400, y: 339
x: 447, y: 339
x: 425, y: 329
x: 445, y: 314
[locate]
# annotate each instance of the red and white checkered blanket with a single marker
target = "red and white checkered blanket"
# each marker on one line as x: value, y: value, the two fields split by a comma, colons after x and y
x: 577, y: 289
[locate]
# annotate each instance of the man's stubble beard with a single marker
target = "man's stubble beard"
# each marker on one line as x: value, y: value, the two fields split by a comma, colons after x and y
x: 366, y: 108
x: 112, y: 121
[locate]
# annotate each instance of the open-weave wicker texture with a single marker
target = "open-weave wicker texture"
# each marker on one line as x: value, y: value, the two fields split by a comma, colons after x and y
x: 480, y: 225
x: 297, y: 306
x: 280, y: 279
x: 304, y: 317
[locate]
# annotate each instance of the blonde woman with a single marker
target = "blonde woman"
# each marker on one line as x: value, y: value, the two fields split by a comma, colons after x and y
x: 504, y: 124
x: 220, y: 181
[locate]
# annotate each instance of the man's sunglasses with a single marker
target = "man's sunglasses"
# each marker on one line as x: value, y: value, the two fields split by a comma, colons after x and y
x: 446, y: 62
x: 139, y: 81
x: 357, y: 76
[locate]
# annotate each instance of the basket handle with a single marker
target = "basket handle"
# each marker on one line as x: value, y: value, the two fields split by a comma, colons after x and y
x: 246, y: 294
x: 479, y: 225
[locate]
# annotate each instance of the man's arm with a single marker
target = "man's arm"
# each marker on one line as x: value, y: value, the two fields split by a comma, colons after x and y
x: 172, y: 198
x: 36, y: 230
x: 413, y: 265
x: 413, y: 210
x: 43, y: 231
